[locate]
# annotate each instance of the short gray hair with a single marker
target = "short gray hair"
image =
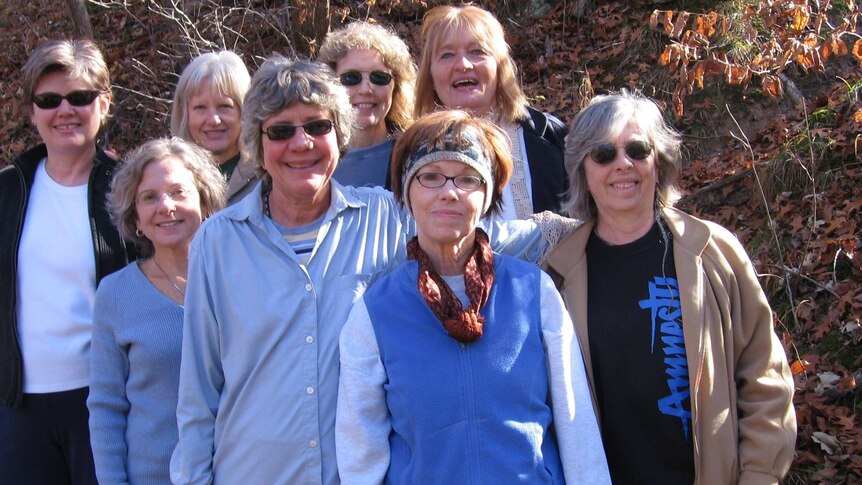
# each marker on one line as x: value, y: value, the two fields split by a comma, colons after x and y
x: 281, y: 81
x: 209, y: 183
x: 602, y: 121
x: 223, y: 71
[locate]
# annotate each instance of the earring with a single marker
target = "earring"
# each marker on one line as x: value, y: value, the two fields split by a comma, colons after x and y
x: 139, y: 232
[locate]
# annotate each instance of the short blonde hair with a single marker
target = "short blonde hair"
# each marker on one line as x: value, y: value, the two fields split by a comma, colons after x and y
x: 79, y: 59
x: 396, y: 57
x: 437, y: 24
x: 223, y: 71
x: 438, y: 129
x: 209, y: 183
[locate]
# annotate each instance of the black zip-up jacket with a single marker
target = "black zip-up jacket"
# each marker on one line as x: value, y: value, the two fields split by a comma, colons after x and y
x: 111, y: 252
x: 544, y: 142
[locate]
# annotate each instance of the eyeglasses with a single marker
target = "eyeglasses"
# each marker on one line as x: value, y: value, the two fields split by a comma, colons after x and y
x: 606, y: 153
x: 148, y: 199
x: 434, y: 180
x: 378, y: 78
x: 286, y: 132
x: 75, y: 98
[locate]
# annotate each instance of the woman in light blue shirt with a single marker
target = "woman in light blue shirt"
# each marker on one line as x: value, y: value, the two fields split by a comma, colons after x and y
x: 271, y: 281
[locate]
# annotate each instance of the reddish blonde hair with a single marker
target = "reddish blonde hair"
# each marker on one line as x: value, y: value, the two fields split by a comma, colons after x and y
x: 488, y: 32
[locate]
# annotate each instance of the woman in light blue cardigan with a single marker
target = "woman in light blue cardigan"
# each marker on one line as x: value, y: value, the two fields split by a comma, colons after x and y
x: 158, y: 199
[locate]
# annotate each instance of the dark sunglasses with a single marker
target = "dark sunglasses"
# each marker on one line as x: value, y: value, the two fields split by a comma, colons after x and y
x: 635, y: 150
x: 75, y: 98
x: 378, y: 78
x: 286, y: 132
x: 433, y: 180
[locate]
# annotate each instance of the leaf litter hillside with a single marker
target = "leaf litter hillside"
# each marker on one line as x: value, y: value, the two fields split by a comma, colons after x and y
x: 781, y: 173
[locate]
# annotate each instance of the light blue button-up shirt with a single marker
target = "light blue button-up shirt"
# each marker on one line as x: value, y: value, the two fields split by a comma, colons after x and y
x: 259, y: 371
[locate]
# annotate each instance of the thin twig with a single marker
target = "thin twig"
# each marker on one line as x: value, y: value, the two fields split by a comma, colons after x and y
x: 797, y: 273
x: 744, y: 140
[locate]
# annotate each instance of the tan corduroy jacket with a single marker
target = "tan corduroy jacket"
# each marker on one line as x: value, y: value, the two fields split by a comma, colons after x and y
x: 741, y: 386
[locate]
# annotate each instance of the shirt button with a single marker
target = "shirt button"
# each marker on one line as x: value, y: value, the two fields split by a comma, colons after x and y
x: 309, y: 390
x: 308, y: 287
x: 312, y: 444
x: 309, y: 339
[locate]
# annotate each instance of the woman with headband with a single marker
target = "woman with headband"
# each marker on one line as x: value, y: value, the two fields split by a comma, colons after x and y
x: 462, y: 359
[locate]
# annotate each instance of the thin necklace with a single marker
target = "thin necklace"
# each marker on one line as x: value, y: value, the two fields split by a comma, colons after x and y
x: 168, y: 277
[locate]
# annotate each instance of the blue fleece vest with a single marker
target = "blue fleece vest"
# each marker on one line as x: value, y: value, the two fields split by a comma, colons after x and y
x: 474, y: 413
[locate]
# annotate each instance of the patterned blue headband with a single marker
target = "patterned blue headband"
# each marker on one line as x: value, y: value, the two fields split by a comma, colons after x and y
x: 464, y: 147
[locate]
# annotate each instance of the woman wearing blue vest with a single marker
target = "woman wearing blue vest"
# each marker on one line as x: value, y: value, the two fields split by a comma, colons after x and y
x: 474, y: 376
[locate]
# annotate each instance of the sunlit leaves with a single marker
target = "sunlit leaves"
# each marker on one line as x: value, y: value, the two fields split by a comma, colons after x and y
x: 780, y: 34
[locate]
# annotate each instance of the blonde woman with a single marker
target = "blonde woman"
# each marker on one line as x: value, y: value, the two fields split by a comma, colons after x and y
x: 207, y: 109
x: 375, y: 66
x: 466, y: 64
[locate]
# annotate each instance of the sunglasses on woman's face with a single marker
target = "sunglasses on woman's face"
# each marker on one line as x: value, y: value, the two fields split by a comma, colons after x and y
x: 286, y: 132
x: 353, y: 78
x: 75, y: 98
x: 635, y: 150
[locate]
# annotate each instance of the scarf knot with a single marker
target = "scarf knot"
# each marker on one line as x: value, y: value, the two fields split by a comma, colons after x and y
x: 463, y: 324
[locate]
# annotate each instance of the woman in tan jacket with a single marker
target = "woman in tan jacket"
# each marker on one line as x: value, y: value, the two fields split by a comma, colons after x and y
x: 690, y: 381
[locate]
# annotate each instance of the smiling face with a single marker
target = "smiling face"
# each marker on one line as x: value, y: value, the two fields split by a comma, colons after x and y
x: 214, y: 122
x: 301, y: 167
x: 624, y: 189
x: 67, y: 127
x: 446, y: 216
x: 371, y: 102
x: 167, y: 205
x: 464, y: 73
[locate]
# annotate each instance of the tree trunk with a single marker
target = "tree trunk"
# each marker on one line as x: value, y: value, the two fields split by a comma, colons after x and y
x: 80, y: 19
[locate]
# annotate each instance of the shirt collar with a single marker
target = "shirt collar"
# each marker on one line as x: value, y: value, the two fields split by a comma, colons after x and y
x: 251, y: 206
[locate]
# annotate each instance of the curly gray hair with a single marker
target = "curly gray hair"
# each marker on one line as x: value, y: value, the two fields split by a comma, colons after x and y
x: 278, y: 83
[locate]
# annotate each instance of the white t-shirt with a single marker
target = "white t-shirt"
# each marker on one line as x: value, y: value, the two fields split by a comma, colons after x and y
x: 56, y: 287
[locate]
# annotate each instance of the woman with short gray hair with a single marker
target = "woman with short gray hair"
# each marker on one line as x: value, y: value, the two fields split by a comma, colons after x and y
x: 675, y: 329
x: 158, y: 199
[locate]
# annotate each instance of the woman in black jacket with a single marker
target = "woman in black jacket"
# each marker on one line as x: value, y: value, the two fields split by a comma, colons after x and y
x: 466, y: 64
x: 56, y: 243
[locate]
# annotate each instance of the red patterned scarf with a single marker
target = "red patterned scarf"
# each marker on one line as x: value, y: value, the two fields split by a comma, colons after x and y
x: 464, y: 325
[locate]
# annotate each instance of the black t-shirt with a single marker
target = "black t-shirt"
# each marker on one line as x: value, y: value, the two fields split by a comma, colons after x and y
x: 639, y: 360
